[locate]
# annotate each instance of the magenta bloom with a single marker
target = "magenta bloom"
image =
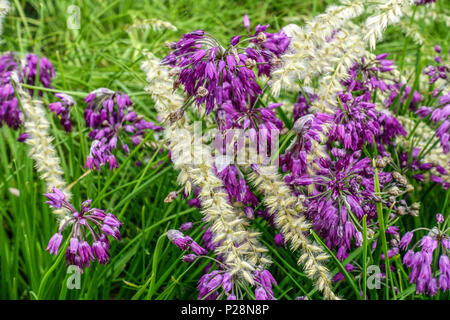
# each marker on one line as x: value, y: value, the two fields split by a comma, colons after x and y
x: 89, y: 224
x: 10, y: 112
x: 113, y: 121
x: 62, y: 109
x: 213, y: 74
x: 424, y: 263
x: 184, y: 242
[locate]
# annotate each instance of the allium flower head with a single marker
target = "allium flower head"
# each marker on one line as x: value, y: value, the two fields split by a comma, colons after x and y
x: 425, y: 263
x: 112, y: 119
x: 62, y: 109
x: 213, y: 74
x: 90, y: 228
x: 184, y: 242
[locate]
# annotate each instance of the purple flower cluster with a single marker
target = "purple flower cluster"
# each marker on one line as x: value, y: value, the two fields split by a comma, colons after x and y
x: 10, y: 112
x: 89, y: 221
x: 46, y: 71
x: 237, y: 188
x: 344, y: 194
x: 112, y: 119
x: 441, y: 112
x: 215, y: 75
x: 218, y: 284
x: 62, y: 109
x: 210, y: 283
x: 263, y: 283
x: 419, y: 168
x: 424, y: 263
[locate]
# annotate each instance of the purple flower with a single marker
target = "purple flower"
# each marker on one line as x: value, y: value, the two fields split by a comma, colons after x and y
x: 184, y: 242
x: 62, y: 109
x: 421, y: 262
x: 54, y: 243
x: 10, y: 113
x: 279, y: 240
x: 344, y: 194
x: 186, y: 226
x: 212, y: 74
x: 89, y: 221
x: 112, y: 119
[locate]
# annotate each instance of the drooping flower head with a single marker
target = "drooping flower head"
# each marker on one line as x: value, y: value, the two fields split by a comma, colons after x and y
x: 113, y: 120
x: 90, y: 228
x: 213, y: 74
x: 26, y: 71
x: 425, y: 263
x: 62, y: 109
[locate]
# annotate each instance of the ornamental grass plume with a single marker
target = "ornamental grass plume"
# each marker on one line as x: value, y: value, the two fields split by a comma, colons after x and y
x: 346, y: 46
x: 43, y: 153
x: 238, y: 249
x: 293, y: 225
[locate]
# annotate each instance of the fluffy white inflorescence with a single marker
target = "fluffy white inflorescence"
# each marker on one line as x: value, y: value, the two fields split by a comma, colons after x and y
x: 389, y: 12
x: 154, y: 24
x: 305, y: 42
x: 4, y: 9
x: 293, y: 225
x: 46, y: 160
x: 329, y: 45
x: 242, y: 252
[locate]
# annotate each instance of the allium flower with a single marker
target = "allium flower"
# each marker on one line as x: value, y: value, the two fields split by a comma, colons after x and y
x: 87, y: 224
x: 236, y: 186
x: 400, y: 92
x: 425, y: 263
x: 10, y: 112
x: 307, y: 130
x: 62, y: 109
x: 184, y: 242
x: 112, y: 119
x: 440, y: 114
x: 213, y: 74
x: 219, y: 284
x: 355, y: 123
x: 263, y: 282
x: 46, y: 71
x: 344, y: 194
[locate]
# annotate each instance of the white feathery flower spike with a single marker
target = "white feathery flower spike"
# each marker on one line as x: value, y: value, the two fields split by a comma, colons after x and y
x: 47, y: 162
x: 228, y: 225
x: 293, y: 225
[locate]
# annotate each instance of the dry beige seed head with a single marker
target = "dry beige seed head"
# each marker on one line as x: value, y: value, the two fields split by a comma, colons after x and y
x: 401, y: 211
x: 202, y: 92
x: 415, y: 206
x: 261, y: 37
x: 250, y: 63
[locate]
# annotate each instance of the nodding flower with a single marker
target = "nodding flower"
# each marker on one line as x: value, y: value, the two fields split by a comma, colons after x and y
x: 90, y: 228
x: 425, y: 263
x: 113, y: 120
x: 213, y: 74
